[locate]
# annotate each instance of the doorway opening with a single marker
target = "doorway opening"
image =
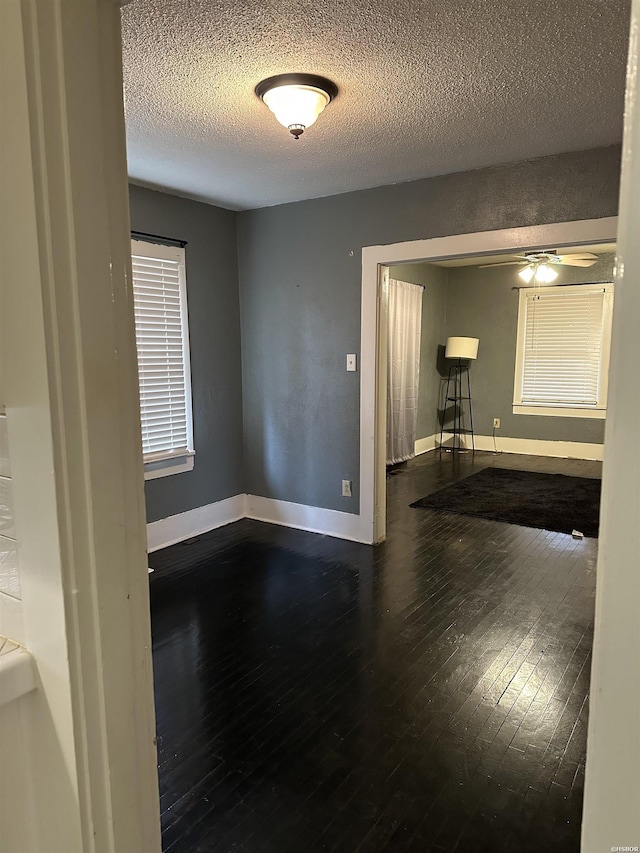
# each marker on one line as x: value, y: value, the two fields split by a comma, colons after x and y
x: 534, y: 332
x: 461, y: 250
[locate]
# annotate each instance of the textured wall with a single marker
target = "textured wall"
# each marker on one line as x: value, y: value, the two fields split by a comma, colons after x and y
x: 434, y: 302
x: 214, y: 331
x: 300, y: 277
x: 481, y: 303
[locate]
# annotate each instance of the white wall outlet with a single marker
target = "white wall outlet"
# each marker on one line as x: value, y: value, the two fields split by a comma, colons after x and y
x: 351, y: 362
x: 346, y: 488
x: 496, y: 423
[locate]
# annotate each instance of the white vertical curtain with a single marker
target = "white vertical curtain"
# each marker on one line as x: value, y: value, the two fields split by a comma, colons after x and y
x: 403, y: 368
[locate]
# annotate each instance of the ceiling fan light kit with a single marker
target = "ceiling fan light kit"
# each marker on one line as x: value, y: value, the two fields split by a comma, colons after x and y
x: 539, y: 267
x: 296, y: 100
x: 540, y: 273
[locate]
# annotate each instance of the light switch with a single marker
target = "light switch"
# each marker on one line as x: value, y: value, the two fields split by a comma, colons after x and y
x: 351, y: 361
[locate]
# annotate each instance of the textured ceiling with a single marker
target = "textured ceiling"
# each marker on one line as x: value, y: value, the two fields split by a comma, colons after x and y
x: 426, y: 87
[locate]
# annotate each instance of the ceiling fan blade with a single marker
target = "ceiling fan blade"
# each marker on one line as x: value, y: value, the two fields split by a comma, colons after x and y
x: 581, y: 256
x: 577, y: 262
x: 502, y: 264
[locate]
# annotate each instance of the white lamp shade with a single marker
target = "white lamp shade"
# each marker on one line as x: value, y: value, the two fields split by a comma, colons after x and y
x: 462, y: 348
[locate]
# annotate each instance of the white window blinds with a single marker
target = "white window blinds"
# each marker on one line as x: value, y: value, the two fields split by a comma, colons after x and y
x: 162, y: 341
x: 563, y: 337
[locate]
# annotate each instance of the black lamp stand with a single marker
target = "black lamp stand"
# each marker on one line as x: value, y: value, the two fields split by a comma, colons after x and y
x: 455, y: 394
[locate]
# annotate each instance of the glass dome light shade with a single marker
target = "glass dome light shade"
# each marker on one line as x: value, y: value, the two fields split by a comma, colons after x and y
x: 526, y: 273
x: 545, y: 274
x: 296, y: 105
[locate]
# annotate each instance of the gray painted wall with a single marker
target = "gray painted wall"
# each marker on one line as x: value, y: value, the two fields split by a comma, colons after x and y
x: 300, y: 277
x: 481, y: 303
x: 434, y: 303
x: 214, y: 331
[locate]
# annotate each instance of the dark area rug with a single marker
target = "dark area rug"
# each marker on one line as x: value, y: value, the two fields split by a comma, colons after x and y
x: 548, y: 501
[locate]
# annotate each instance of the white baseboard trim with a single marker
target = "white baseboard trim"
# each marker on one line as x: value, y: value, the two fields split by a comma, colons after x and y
x: 537, y: 447
x: 177, y: 528
x: 424, y: 445
x: 342, y: 525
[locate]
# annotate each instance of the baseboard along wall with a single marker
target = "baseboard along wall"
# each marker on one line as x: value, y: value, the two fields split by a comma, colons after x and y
x: 526, y: 446
x: 424, y: 445
x: 185, y: 525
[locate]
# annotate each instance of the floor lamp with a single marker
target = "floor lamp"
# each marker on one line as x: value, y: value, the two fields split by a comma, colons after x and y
x: 463, y: 350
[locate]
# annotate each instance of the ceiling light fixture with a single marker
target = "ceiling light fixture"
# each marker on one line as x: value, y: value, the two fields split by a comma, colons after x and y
x: 296, y: 100
x: 539, y: 272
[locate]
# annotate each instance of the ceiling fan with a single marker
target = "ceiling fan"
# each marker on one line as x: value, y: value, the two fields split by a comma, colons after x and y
x: 539, y: 265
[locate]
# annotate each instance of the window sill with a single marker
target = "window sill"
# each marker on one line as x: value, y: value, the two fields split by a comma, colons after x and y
x: 559, y: 411
x: 166, y: 467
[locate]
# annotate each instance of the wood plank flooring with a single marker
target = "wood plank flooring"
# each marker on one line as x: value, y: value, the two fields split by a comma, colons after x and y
x: 430, y: 694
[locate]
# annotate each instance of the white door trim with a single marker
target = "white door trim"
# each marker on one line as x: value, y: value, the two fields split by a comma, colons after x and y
x: 372, y: 348
x: 612, y: 781
x: 86, y: 778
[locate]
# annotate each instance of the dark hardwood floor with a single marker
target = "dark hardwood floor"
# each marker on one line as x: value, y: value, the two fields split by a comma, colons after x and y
x: 429, y: 694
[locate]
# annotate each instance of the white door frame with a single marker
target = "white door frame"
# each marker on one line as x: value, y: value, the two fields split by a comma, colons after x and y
x: 68, y: 378
x: 373, y: 378
x: 612, y: 782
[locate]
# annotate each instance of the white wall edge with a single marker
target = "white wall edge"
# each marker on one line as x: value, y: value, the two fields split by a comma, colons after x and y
x: 536, y: 447
x: 424, y: 445
x: 184, y: 525
x: 341, y: 525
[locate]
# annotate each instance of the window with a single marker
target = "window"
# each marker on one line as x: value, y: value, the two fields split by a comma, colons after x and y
x: 162, y: 342
x: 562, y: 355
